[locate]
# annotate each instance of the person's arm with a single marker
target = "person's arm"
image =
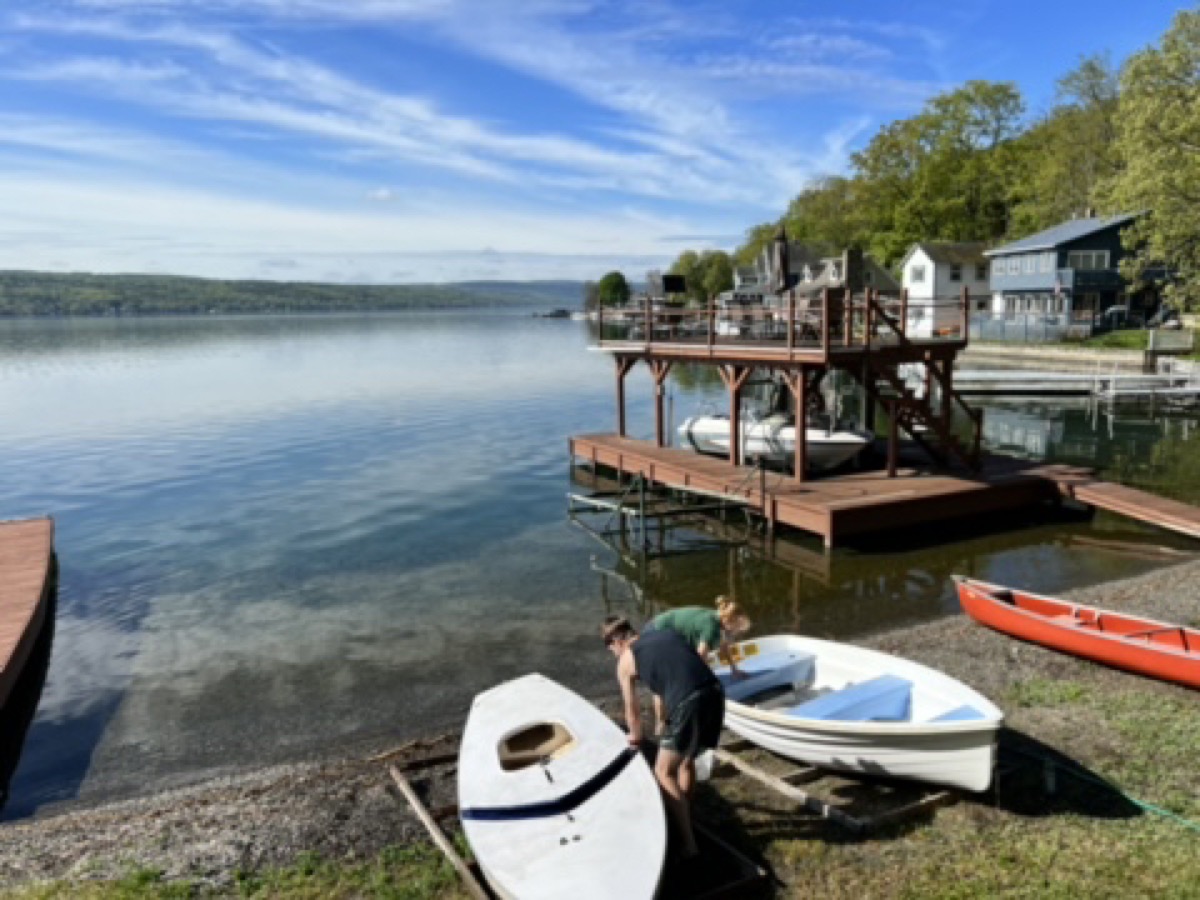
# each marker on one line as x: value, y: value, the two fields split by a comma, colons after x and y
x: 626, y: 677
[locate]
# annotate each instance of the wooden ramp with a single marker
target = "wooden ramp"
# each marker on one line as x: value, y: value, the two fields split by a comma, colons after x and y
x: 834, y: 507
x: 26, y: 568
x: 1081, y: 485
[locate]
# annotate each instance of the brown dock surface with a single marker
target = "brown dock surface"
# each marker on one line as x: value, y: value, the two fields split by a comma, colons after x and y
x: 26, y: 564
x: 1081, y: 485
x: 833, y: 507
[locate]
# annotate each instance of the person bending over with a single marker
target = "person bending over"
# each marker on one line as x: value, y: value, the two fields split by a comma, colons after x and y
x: 691, y: 697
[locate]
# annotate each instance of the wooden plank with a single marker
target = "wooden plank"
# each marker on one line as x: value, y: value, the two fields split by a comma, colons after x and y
x: 470, y: 882
x: 909, y: 810
x: 805, y: 799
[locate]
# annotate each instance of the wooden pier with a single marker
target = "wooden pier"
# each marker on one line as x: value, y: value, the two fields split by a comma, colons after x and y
x: 26, y: 579
x: 860, y: 503
x: 1083, y: 487
x: 834, y: 507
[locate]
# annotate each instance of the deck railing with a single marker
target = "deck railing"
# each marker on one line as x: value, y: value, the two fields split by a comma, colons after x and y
x: 791, y: 324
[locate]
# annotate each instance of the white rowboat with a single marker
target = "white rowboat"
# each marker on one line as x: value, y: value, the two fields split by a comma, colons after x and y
x: 773, y: 438
x: 554, y: 801
x: 846, y: 708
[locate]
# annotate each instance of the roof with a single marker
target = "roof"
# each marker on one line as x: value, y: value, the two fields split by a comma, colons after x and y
x: 962, y: 253
x: 1061, y: 234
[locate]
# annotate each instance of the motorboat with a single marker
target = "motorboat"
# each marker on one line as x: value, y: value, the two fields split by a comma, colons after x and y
x: 1119, y: 639
x: 772, y: 438
x: 553, y: 799
x: 846, y: 708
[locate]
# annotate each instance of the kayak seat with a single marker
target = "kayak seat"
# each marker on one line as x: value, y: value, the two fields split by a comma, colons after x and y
x: 959, y: 714
x: 795, y: 673
x: 883, y: 699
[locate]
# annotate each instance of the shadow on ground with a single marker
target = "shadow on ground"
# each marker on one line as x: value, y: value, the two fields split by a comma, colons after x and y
x: 1034, y: 779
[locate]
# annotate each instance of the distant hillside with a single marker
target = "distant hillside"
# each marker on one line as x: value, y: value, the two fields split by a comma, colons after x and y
x: 83, y: 294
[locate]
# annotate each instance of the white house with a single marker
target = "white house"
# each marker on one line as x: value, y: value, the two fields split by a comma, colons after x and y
x: 934, y: 274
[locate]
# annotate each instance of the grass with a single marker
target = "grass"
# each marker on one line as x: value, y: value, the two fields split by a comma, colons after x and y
x: 418, y: 872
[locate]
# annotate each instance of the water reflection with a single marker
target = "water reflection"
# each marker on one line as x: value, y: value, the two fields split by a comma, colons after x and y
x: 789, y: 583
x: 1142, y: 446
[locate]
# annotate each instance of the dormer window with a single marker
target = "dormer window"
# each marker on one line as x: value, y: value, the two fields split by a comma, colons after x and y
x: 834, y: 273
x: 956, y: 272
x: 807, y: 273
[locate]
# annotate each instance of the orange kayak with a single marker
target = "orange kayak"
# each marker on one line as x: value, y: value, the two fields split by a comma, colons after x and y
x: 1124, y: 641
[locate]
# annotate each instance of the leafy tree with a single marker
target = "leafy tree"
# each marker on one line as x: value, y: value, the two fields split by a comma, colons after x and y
x: 705, y: 274
x: 1158, y: 138
x: 1067, y: 155
x: 827, y: 216
x: 613, y: 289
x: 718, y: 274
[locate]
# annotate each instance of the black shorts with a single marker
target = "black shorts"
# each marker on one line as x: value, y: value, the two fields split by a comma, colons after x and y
x: 695, y: 724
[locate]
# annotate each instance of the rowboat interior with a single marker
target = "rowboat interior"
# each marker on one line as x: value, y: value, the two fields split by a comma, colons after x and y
x: 1085, y: 618
x: 805, y: 687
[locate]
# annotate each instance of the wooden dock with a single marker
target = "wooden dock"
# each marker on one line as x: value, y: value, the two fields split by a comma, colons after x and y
x: 833, y: 507
x: 843, y: 506
x: 26, y: 579
x: 1082, y: 486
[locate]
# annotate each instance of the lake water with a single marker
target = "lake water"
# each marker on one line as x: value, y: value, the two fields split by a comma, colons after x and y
x: 283, y: 536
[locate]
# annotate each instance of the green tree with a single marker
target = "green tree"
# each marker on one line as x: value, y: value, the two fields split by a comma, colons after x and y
x: 613, y: 289
x: 1067, y: 155
x: 718, y: 272
x: 827, y: 216
x: 943, y: 174
x: 1158, y: 139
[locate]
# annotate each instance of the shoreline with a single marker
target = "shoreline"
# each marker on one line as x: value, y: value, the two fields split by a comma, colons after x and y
x: 344, y: 808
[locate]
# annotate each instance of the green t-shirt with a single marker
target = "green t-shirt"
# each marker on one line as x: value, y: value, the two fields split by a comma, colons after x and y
x: 697, y: 624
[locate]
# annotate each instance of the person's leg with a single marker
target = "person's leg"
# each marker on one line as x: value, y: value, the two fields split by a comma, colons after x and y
x: 687, y: 776
x: 666, y: 770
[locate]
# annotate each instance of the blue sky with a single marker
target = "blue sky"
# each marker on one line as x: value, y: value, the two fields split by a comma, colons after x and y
x: 445, y: 140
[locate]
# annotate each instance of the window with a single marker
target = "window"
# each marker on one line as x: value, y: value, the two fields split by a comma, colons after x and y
x: 1028, y: 262
x: 956, y: 272
x: 1087, y: 259
x: 997, y: 267
x: 866, y: 276
x: 1014, y: 265
x: 981, y: 272
x: 1047, y: 262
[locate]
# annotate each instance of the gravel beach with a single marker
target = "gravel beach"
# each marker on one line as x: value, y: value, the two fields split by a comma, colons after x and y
x: 347, y: 808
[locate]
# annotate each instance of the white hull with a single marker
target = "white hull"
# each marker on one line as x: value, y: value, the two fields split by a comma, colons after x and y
x: 774, y: 439
x: 533, y: 741
x: 835, y: 711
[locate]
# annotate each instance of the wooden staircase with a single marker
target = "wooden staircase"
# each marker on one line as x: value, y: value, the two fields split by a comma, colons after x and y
x: 927, y: 425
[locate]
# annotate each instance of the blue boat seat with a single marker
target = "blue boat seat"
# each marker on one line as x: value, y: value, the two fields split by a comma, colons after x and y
x: 886, y: 698
x: 796, y: 672
x: 959, y: 714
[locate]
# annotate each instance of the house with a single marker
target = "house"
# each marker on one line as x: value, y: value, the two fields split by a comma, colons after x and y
x: 1068, y: 274
x: 934, y: 273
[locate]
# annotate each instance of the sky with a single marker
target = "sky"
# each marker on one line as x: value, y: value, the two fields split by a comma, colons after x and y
x: 401, y: 141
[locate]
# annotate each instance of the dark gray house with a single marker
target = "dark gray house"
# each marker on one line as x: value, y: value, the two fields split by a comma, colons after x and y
x: 1066, y: 274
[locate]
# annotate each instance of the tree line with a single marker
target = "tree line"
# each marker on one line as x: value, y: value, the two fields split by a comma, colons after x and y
x: 85, y: 294
x: 972, y: 166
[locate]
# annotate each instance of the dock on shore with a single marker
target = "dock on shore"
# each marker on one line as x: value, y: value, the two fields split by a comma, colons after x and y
x: 26, y: 580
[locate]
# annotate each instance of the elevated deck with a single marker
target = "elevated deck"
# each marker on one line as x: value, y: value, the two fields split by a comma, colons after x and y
x: 26, y: 574
x: 835, y: 507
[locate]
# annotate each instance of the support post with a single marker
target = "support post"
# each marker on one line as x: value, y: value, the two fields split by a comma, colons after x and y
x: 734, y: 378
x: 964, y: 312
x: 904, y: 312
x: 797, y: 383
x: 660, y: 368
x: 893, y: 440
x: 624, y: 364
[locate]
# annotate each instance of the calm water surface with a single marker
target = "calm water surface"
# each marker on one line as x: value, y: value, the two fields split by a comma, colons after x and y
x: 281, y: 536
